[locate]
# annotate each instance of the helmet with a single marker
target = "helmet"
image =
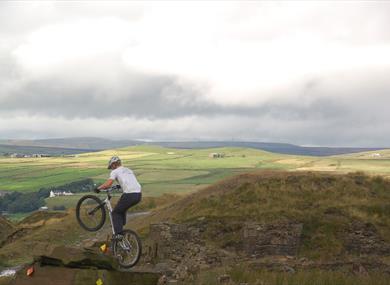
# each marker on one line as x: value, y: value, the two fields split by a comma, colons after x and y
x: 113, y: 160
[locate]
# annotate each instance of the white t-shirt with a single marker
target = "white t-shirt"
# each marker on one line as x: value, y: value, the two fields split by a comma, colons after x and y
x: 126, y: 179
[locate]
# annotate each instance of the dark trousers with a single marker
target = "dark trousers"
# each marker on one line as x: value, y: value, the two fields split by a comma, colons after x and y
x: 126, y: 201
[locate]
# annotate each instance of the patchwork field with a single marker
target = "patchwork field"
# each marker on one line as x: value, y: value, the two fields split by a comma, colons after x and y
x: 162, y: 170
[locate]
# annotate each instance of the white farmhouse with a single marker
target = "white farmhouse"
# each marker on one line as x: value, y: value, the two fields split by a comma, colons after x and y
x: 59, y: 193
x: 376, y: 155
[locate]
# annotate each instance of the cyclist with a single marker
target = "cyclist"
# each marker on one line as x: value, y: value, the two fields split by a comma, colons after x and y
x: 131, y: 193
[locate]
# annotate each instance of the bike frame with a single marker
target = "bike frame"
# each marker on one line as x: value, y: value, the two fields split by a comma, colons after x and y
x: 108, y: 205
x: 124, y: 244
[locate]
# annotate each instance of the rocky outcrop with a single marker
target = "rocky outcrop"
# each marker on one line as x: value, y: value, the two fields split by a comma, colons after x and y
x: 179, y: 251
x: 49, y: 275
x: 72, y: 257
x: 271, y: 239
x: 172, y: 241
x: 364, y: 238
x: 72, y: 266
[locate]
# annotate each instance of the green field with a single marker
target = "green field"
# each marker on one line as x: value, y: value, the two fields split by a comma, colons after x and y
x: 162, y: 170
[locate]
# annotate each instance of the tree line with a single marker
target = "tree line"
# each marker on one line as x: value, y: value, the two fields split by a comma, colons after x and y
x: 21, y: 202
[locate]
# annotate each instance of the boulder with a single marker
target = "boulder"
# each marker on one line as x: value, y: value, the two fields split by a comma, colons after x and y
x: 73, y: 266
x: 78, y: 258
x: 52, y: 275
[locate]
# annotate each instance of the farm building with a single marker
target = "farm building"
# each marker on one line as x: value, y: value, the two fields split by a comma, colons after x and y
x: 17, y: 155
x: 216, y: 155
x: 60, y: 193
x: 376, y: 155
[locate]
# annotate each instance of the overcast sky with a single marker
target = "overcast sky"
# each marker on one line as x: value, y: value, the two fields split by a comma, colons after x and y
x: 311, y: 73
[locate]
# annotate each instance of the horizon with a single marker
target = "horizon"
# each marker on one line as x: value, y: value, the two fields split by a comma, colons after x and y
x: 192, y: 141
x: 304, y: 73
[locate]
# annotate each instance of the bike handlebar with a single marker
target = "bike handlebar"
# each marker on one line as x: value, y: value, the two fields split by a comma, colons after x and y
x: 112, y: 188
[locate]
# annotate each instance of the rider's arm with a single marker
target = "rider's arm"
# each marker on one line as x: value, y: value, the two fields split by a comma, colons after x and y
x: 106, y: 184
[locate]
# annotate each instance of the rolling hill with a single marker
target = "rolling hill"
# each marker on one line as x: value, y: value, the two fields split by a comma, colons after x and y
x: 103, y: 144
x: 77, y: 143
x: 281, y: 228
x: 6, y: 149
x: 332, y: 222
x: 324, y: 202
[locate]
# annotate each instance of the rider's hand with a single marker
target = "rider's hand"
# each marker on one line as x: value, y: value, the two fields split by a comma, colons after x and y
x: 96, y: 190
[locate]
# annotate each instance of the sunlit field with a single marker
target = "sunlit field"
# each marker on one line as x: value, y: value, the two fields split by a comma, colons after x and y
x: 161, y: 170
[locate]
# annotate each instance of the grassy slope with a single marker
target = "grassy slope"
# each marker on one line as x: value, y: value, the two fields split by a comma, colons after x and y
x: 5, y: 228
x: 241, y: 274
x: 325, y: 203
x: 48, y: 230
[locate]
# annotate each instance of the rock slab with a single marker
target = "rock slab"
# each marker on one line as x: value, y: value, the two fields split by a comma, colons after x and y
x: 74, y: 266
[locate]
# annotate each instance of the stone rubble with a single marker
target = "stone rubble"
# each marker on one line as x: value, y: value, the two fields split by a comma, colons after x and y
x: 180, y: 251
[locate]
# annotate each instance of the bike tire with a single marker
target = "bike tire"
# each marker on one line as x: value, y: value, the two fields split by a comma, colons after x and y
x: 80, y: 218
x: 138, y: 255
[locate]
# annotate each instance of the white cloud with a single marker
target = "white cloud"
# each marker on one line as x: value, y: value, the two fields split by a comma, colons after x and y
x: 53, y: 46
x: 228, y: 56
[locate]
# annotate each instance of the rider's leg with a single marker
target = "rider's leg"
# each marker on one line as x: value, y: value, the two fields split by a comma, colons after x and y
x: 126, y: 201
x: 117, y: 222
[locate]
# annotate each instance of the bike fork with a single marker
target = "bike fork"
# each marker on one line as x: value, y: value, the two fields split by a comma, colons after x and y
x: 109, y: 207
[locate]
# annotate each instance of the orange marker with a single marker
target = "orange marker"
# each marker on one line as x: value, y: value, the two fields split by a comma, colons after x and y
x: 30, y: 271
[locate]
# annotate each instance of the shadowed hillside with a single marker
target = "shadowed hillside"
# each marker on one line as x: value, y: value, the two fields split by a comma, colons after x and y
x: 39, y: 234
x: 6, y: 228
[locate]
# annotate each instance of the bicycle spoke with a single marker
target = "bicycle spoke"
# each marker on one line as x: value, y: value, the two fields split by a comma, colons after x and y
x: 91, y: 213
x: 128, y: 250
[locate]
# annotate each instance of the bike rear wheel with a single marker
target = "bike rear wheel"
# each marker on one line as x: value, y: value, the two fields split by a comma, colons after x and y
x: 90, y: 213
x: 128, y: 251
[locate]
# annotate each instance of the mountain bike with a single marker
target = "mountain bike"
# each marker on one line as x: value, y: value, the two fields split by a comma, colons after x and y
x: 91, y: 215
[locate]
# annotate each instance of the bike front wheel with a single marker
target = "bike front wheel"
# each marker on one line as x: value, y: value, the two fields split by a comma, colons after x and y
x: 90, y: 213
x: 128, y: 250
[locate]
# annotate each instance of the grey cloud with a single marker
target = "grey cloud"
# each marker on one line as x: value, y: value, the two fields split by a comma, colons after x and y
x: 150, y: 97
x: 165, y: 97
x: 328, y: 109
x: 337, y: 109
